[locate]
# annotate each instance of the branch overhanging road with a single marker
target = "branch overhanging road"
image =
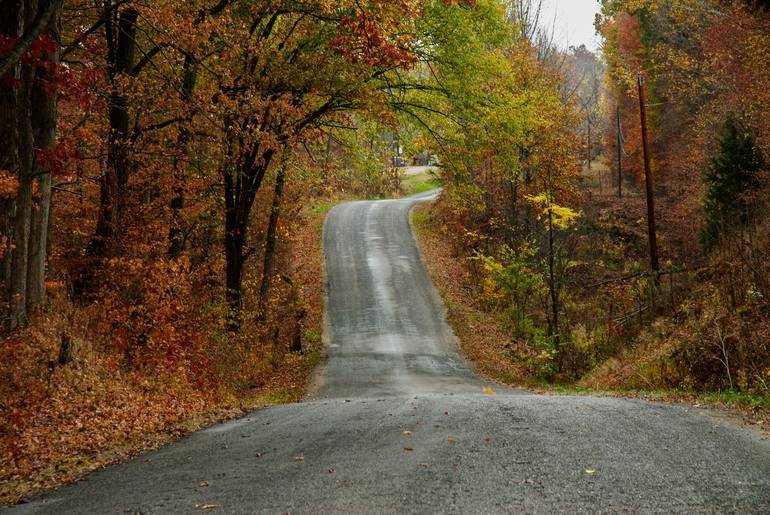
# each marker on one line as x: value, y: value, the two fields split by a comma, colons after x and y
x: 398, y: 423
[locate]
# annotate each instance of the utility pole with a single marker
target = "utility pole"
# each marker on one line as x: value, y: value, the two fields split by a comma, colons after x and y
x: 588, y: 122
x: 620, y: 156
x: 648, y: 182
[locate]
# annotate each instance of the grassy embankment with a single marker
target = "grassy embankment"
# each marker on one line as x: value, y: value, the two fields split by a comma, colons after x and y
x: 420, y: 183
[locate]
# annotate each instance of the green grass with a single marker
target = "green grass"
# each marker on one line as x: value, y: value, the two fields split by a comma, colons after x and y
x: 323, y: 206
x: 313, y: 335
x: 313, y: 357
x: 733, y: 398
x: 420, y: 183
x: 280, y: 396
x: 420, y: 219
x: 729, y: 398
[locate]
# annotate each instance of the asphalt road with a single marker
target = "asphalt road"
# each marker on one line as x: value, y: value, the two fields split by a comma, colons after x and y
x: 399, y: 424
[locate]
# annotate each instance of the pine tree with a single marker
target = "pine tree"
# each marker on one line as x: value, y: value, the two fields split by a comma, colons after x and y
x: 731, y: 176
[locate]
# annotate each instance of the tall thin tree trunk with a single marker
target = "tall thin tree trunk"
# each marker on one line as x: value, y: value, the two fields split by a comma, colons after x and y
x: 234, y: 277
x: 269, y: 261
x: 176, y: 232
x: 44, y: 104
x: 11, y: 26
x: 242, y: 183
x: 590, y: 156
x: 233, y: 252
x: 552, y: 280
x: 17, y: 294
x: 121, y: 47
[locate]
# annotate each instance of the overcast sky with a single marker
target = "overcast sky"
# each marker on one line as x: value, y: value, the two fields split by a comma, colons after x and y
x: 574, y: 22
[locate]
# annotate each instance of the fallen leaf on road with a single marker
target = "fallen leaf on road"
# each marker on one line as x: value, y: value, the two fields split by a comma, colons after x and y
x: 489, y: 391
x: 408, y: 449
x: 450, y: 440
x: 299, y: 458
x: 203, y: 484
x: 407, y: 433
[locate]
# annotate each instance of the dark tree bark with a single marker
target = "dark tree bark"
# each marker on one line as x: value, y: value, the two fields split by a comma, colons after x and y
x: 269, y: 261
x: 29, y: 124
x: 45, y: 12
x: 120, y: 58
x: 11, y: 25
x: 44, y: 115
x: 176, y: 235
x: 17, y: 294
x: 242, y: 183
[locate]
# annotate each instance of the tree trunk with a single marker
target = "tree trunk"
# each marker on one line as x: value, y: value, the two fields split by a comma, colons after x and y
x: 44, y: 104
x: 552, y: 281
x: 269, y: 262
x: 43, y: 14
x: 22, y: 216
x: 234, y: 275
x: 120, y: 59
x: 590, y: 156
x: 11, y: 26
x: 176, y: 232
x: 242, y: 183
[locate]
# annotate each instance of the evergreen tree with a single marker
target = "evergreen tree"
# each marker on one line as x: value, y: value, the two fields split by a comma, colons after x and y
x: 731, y: 176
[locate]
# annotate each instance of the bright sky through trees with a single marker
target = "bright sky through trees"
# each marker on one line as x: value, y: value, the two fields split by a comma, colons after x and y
x: 574, y: 22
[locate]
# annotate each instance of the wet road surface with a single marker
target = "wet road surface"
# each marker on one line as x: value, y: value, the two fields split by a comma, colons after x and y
x: 398, y: 423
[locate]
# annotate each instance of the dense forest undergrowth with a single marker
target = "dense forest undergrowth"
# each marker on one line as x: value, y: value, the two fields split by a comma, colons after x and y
x: 618, y: 341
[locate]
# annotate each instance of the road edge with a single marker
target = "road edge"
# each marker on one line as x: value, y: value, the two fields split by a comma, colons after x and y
x: 318, y: 376
x: 438, y: 300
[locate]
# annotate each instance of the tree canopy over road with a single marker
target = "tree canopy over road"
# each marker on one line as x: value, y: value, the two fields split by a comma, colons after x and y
x: 166, y: 167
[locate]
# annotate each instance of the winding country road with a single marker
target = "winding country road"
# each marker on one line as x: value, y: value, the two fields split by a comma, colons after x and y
x: 398, y: 423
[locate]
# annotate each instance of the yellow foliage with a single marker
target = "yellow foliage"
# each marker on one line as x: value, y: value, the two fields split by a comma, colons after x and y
x: 562, y: 217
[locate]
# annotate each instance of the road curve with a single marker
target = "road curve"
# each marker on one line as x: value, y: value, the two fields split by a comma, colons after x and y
x: 386, y: 330
x: 398, y: 424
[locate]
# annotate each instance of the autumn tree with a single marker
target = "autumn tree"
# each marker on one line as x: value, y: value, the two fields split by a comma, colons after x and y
x: 292, y: 68
x: 703, y: 60
x: 495, y: 103
x: 29, y: 49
